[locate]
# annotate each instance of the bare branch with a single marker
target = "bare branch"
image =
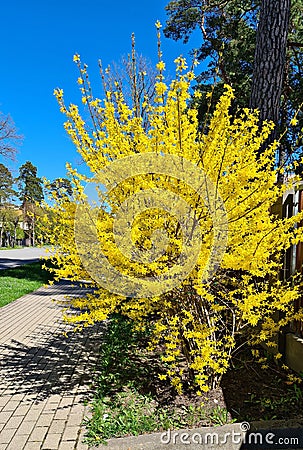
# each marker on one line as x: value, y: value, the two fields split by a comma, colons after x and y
x: 295, y: 44
x: 9, y: 138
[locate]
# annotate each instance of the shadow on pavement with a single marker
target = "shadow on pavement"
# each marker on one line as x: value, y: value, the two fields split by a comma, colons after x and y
x: 65, y: 288
x: 53, y: 364
x: 8, y: 263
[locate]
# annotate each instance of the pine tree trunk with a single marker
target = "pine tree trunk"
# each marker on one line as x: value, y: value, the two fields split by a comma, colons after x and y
x: 269, y: 63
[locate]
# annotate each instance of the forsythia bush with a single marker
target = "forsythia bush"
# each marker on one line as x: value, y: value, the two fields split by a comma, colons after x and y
x: 232, y: 290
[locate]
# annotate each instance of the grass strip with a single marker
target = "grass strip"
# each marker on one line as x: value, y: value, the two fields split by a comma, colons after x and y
x: 18, y: 281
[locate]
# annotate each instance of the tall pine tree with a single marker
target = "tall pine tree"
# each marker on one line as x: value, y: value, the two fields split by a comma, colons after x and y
x: 256, y: 46
x: 30, y: 193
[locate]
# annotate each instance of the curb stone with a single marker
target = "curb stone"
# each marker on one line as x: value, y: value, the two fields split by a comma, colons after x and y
x: 260, y: 435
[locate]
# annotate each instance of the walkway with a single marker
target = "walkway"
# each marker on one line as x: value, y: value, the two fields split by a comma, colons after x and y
x: 45, y: 377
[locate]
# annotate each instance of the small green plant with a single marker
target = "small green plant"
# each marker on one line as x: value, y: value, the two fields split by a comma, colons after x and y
x: 117, y: 365
x: 127, y: 413
x: 270, y: 407
x: 297, y: 393
x: 220, y: 416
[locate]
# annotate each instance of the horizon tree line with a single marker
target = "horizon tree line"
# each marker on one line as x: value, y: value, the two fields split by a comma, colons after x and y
x: 21, y: 204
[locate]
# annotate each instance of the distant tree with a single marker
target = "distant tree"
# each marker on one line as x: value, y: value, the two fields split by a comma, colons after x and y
x: 9, y: 137
x: 9, y: 216
x: 35, y: 215
x: 9, y: 225
x: 30, y: 185
x: 31, y: 195
x: 6, y: 185
x: 133, y: 77
x: 3, y: 223
x: 60, y: 187
x: 16, y: 231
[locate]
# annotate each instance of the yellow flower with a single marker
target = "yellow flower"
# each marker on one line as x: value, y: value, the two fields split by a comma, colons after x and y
x: 197, y: 94
x: 190, y: 76
x: 162, y: 376
x: 160, y: 66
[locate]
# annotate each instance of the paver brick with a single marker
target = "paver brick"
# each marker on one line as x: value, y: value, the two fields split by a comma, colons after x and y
x: 18, y: 442
x: 67, y: 445
x: 9, y: 392
x: 5, y: 415
x: 57, y: 426
x: 82, y: 446
x: 14, y: 422
x: 32, y: 446
x: 4, y: 399
x: 66, y: 401
x: 51, y: 407
x: 38, y: 434
x: 70, y: 433
x: 11, y: 405
x: 32, y: 414
x: 39, y: 406
x: 18, y: 397
x: 26, y: 427
x: 45, y: 419
x: 51, y: 442
x: 77, y: 409
x: 55, y: 398
x: 62, y: 413
x: 74, y: 419
x: 6, y: 435
x: 21, y: 410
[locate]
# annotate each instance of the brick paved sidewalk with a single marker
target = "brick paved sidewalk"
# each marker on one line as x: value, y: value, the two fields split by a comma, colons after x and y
x: 45, y: 378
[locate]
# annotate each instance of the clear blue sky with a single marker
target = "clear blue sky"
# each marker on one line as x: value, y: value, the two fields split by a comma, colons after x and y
x: 38, y: 41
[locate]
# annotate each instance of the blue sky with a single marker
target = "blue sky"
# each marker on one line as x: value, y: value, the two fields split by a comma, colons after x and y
x: 39, y: 40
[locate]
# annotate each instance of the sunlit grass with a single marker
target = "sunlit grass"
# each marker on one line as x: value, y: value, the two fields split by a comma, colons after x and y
x: 16, y: 282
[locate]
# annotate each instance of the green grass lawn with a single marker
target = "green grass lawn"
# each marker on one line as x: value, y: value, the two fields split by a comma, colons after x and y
x: 21, y: 280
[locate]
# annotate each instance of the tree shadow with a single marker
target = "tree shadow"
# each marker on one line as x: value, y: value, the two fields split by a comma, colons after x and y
x: 55, y: 363
x: 30, y: 270
x: 66, y: 288
x: 9, y: 264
